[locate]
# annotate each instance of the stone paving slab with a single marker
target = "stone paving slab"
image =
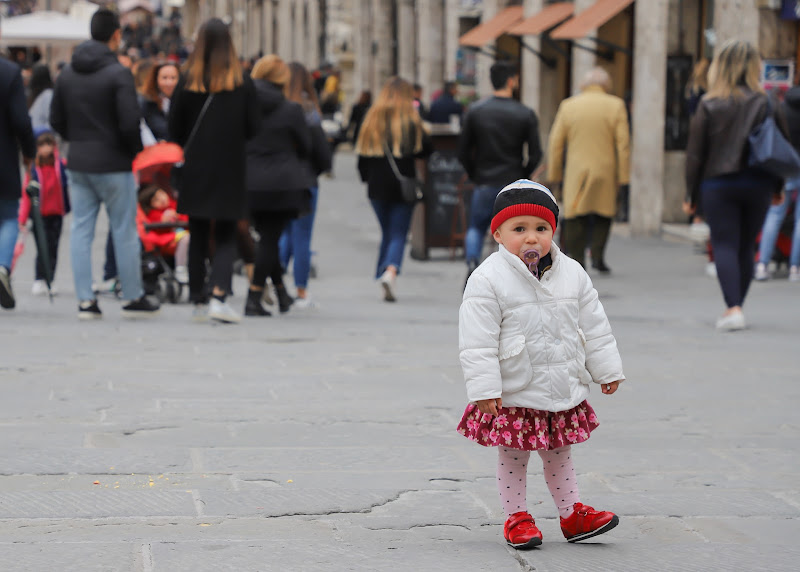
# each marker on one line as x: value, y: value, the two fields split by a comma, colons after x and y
x: 54, y: 461
x: 101, y: 504
x: 70, y: 557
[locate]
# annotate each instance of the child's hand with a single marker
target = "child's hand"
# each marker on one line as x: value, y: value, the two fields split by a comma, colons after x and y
x: 169, y: 215
x: 490, y: 405
x: 609, y: 388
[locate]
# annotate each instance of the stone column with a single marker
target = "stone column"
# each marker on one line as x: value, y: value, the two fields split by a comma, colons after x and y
x: 312, y: 47
x: 381, y: 44
x: 268, y: 41
x: 430, y: 46
x: 300, y: 35
x: 406, y: 48
x: 284, y: 43
x: 531, y: 64
x: 451, y: 29
x: 735, y: 19
x: 483, y: 62
x: 649, y: 101
x: 583, y: 60
x: 362, y: 48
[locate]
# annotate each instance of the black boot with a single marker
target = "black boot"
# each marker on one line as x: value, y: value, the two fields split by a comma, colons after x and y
x: 284, y: 300
x: 255, y: 305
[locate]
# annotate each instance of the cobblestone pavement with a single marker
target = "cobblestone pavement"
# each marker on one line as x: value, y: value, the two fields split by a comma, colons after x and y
x: 324, y: 439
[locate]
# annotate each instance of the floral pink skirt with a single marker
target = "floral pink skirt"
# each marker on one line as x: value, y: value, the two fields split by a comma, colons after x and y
x: 528, y: 429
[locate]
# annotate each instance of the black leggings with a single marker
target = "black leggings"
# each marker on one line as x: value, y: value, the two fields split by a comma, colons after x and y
x: 735, y: 216
x: 575, y: 235
x: 269, y: 225
x: 52, y: 230
x: 224, y: 235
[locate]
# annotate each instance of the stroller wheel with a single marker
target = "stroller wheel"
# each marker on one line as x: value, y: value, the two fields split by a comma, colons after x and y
x: 173, y: 291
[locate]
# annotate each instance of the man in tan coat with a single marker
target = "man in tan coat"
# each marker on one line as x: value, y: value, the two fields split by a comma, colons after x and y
x: 592, y: 128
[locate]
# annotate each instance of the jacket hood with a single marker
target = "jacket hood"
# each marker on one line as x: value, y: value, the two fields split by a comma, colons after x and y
x: 792, y: 98
x: 92, y: 56
x: 269, y: 95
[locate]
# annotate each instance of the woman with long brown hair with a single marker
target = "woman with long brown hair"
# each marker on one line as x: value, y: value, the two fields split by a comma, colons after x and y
x: 214, y: 111
x: 735, y: 197
x: 391, y: 123
x: 157, y: 94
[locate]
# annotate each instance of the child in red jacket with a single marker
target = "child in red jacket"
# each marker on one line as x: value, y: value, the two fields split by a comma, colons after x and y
x: 157, y: 206
x: 49, y: 170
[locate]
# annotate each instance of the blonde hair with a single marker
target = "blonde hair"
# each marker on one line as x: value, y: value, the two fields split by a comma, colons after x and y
x: 699, y: 79
x: 737, y: 65
x: 393, y: 109
x: 272, y: 69
x: 213, y: 65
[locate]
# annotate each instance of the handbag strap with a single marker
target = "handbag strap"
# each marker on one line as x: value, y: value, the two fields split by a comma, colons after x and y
x: 392, y: 162
x: 198, y: 122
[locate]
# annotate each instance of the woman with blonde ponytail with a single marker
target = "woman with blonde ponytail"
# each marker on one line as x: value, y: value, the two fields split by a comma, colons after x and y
x: 391, y: 123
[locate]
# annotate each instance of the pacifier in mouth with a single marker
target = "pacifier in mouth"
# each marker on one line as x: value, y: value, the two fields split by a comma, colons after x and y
x: 531, y: 259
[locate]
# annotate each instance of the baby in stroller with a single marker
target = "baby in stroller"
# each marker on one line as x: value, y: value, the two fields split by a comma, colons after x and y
x: 162, y: 232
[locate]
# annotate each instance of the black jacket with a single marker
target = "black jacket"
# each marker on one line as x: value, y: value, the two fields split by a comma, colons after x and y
x: 15, y: 129
x: 791, y: 109
x: 279, y: 172
x: 494, y: 134
x: 321, y: 159
x: 444, y: 107
x: 94, y: 107
x: 382, y: 184
x: 156, y: 119
x: 213, y: 185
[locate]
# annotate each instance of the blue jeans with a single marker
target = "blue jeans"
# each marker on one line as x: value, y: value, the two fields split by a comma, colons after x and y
x: 394, y: 218
x: 296, y: 242
x: 87, y: 191
x: 9, y: 228
x: 772, y: 226
x: 480, y: 216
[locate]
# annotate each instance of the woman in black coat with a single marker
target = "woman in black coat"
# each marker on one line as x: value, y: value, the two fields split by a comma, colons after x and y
x: 162, y: 79
x: 278, y: 179
x: 213, y: 180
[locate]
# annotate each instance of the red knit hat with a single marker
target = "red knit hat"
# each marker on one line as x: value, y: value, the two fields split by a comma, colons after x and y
x: 524, y: 197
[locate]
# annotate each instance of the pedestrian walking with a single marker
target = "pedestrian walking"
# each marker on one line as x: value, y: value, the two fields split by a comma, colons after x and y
x: 94, y: 108
x: 528, y: 369
x: 446, y: 106
x: 157, y: 94
x: 392, y: 124
x: 40, y: 97
x: 357, y: 114
x: 295, y: 242
x: 777, y: 212
x: 16, y: 134
x: 278, y: 177
x: 214, y: 111
x: 591, y: 128
x: 499, y: 143
x: 735, y: 197
x: 49, y: 170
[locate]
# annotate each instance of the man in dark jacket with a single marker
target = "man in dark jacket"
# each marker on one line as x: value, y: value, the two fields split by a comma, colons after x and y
x: 495, y: 135
x: 15, y: 132
x: 446, y: 105
x: 95, y: 109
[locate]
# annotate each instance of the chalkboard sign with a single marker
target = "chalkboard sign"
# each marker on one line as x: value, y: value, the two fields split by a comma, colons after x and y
x: 445, y: 176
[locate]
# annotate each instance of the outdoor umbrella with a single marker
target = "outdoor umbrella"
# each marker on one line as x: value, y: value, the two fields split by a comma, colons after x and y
x: 41, y: 236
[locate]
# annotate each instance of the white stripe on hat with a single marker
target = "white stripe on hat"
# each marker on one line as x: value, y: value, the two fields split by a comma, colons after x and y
x: 527, y: 184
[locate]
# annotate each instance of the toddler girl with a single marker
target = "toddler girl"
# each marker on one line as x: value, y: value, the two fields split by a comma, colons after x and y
x: 50, y: 171
x: 532, y: 337
x: 158, y: 206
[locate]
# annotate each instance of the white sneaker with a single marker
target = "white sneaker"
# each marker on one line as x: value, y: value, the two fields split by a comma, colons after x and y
x: 711, y: 270
x: 182, y: 274
x: 731, y: 322
x: 40, y: 288
x: 761, y: 273
x: 387, y: 284
x: 305, y: 304
x: 222, y: 312
x: 794, y: 274
x: 699, y: 232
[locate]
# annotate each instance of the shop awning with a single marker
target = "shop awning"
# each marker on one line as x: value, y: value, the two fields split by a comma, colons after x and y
x: 551, y: 16
x: 593, y: 17
x: 488, y: 32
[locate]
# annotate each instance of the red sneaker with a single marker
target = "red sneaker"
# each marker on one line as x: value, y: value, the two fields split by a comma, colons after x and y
x: 521, y: 532
x: 586, y: 522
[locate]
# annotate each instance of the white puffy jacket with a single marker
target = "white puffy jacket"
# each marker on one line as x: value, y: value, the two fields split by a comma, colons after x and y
x: 535, y: 344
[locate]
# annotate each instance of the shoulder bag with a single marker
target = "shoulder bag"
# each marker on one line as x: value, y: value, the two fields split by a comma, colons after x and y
x: 769, y: 149
x: 176, y: 175
x: 410, y: 187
